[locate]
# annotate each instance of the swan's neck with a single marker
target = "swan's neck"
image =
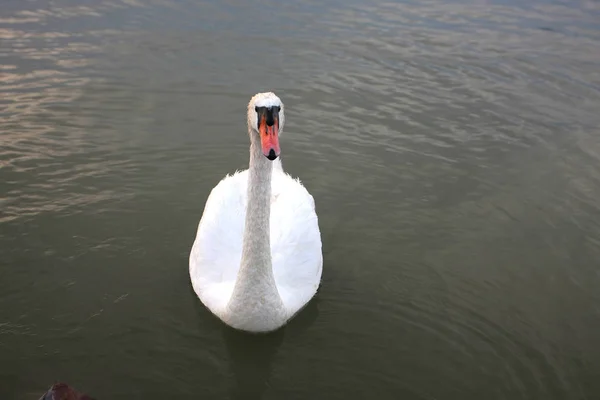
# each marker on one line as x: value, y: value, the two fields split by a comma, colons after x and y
x: 255, y: 299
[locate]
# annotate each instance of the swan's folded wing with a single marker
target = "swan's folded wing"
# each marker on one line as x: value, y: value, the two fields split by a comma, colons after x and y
x: 217, y: 250
x: 295, y: 242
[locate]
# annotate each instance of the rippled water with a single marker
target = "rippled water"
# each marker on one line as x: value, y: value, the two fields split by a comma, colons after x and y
x: 452, y: 149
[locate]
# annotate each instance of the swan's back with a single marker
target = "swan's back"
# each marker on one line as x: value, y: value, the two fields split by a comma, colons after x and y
x: 294, y: 236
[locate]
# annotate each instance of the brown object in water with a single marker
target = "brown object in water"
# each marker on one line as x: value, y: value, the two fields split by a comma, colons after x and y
x: 62, y: 391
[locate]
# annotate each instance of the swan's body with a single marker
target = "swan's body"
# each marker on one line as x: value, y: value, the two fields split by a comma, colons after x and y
x: 257, y: 259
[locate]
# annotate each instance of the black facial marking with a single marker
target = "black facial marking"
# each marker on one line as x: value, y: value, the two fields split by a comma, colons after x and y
x: 270, y: 120
x: 270, y: 114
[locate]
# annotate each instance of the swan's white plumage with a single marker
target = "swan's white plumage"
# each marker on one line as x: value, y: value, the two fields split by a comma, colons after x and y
x: 295, y: 242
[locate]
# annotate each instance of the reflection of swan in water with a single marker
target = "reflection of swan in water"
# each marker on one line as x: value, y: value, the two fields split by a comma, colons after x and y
x: 251, y: 357
x: 251, y: 362
x: 256, y: 260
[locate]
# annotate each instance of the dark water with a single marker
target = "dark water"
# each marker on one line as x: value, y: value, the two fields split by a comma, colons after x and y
x: 452, y: 148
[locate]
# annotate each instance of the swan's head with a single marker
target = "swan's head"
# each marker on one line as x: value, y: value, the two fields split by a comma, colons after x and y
x: 265, y: 119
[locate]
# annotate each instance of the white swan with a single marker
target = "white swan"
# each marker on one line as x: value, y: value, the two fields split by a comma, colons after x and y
x: 257, y: 259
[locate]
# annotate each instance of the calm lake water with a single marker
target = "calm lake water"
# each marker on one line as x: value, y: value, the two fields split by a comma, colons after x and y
x: 452, y: 148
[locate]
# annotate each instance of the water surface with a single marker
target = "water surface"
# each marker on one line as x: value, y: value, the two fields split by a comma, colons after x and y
x: 452, y: 149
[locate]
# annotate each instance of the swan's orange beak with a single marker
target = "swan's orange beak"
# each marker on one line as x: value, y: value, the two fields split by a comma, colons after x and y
x: 269, y: 135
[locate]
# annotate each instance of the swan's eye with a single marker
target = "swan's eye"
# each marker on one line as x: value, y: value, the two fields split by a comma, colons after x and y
x: 256, y: 109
